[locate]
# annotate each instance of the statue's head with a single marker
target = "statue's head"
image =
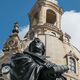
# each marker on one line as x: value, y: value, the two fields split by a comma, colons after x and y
x: 37, y: 46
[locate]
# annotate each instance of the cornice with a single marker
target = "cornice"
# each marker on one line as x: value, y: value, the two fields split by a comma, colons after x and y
x: 46, y: 26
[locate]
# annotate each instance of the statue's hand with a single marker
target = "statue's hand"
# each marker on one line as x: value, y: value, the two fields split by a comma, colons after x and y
x: 56, y: 69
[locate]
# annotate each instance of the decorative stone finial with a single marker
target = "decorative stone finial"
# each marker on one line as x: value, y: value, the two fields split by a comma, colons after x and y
x: 16, y: 28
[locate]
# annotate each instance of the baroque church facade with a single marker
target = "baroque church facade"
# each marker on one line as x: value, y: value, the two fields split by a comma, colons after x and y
x: 45, y: 23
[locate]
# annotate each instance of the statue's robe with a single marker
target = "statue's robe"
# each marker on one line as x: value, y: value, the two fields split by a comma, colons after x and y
x: 30, y: 67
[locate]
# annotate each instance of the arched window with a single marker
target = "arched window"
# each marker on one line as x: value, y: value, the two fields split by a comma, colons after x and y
x: 50, y: 16
x: 35, y: 19
x: 72, y: 65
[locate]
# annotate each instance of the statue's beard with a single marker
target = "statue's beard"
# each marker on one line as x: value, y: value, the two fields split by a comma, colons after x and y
x: 37, y: 50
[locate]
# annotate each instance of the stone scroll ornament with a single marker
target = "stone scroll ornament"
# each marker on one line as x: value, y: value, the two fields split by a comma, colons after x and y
x: 33, y: 65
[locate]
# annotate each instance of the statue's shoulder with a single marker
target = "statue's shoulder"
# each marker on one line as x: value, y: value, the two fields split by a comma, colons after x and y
x: 19, y: 56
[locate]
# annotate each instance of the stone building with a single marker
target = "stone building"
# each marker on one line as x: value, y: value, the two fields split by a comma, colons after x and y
x: 45, y: 23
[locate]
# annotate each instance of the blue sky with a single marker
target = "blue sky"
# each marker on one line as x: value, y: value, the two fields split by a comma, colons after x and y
x: 17, y: 10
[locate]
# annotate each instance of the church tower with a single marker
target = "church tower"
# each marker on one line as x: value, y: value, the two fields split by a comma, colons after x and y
x: 45, y: 16
x: 45, y: 23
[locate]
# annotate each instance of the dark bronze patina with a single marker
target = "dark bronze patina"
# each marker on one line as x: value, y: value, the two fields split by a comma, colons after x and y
x: 33, y: 65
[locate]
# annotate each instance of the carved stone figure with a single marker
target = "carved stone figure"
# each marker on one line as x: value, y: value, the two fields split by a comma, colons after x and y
x: 33, y: 65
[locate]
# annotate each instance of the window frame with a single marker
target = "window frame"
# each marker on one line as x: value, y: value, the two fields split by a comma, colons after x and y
x: 53, y: 19
x: 72, y: 64
x: 67, y: 56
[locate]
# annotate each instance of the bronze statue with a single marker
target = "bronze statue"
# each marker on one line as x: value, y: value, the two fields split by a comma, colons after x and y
x: 33, y: 65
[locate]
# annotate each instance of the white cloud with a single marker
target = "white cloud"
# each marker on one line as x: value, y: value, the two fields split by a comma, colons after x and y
x: 1, y: 53
x: 71, y: 25
x: 23, y: 31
